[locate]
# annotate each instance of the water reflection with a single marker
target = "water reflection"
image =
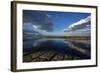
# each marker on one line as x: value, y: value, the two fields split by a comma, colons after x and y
x: 73, y: 49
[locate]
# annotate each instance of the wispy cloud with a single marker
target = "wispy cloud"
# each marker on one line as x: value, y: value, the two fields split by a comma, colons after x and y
x: 77, y: 32
x: 79, y: 23
x: 82, y: 21
x: 36, y: 26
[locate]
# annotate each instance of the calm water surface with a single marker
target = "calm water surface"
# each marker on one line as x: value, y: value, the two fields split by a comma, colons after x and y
x: 80, y: 48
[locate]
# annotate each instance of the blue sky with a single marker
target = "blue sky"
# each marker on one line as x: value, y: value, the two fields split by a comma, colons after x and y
x: 60, y: 20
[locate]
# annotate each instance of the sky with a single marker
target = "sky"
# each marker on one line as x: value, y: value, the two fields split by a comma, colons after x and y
x: 62, y: 20
x: 57, y: 23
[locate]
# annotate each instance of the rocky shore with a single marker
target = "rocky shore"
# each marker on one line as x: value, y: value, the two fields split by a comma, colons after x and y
x: 42, y: 56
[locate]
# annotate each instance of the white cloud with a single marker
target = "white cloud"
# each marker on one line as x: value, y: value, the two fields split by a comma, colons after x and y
x: 78, y: 32
x: 81, y: 22
x: 36, y: 26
